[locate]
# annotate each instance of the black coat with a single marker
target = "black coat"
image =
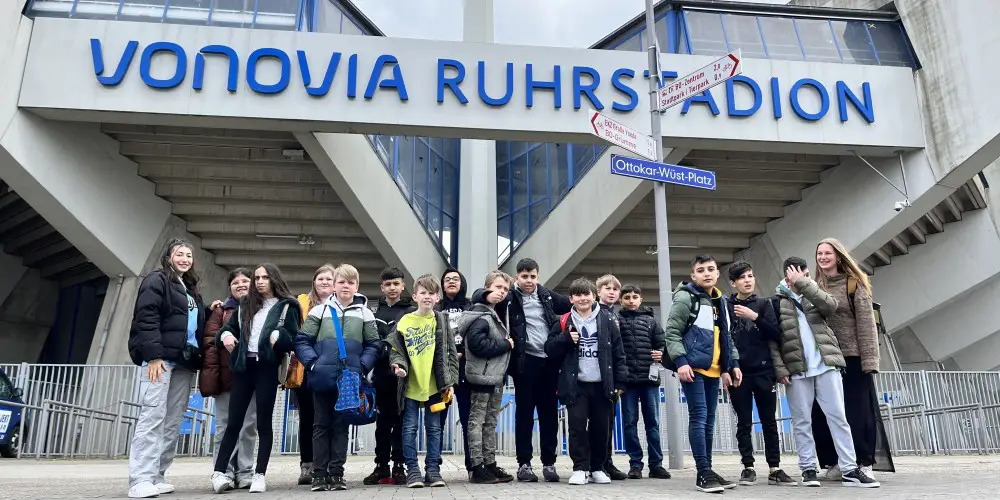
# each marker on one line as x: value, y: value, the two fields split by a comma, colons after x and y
x: 641, y: 334
x: 553, y: 304
x: 386, y: 318
x: 160, y: 320
x: 752, y: 338
x: 610, y: 355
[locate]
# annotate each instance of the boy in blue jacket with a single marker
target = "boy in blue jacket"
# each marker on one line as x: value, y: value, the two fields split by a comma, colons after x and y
x: 698, y: 342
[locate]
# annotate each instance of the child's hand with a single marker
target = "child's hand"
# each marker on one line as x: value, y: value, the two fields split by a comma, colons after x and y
x: 574, y: 335
x: 510, y: 341
x: 398, y: 371
x: 737, y: 377
x: 784, y: 381
x: 657, y: 355
x: 685, y: 373
x: 727, y: 381
x: 447, y: 394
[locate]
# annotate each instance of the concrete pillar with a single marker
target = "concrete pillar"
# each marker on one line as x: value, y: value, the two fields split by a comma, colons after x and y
x: 477, y: 201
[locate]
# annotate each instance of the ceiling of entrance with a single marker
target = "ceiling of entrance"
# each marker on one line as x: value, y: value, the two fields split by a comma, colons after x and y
x: 754, y: 188
x: 252, y: 197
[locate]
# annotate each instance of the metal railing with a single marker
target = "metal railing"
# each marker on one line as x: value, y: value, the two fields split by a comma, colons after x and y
x: 90, y: 411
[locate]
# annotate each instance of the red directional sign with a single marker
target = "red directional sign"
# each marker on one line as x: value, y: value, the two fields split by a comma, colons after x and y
x: 700, y: 80
x: 624, y: 137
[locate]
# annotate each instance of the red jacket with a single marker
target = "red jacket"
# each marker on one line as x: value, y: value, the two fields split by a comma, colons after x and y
x: 215, y: 377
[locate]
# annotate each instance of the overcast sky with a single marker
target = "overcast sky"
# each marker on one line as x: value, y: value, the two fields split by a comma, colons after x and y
x: 562, y: 23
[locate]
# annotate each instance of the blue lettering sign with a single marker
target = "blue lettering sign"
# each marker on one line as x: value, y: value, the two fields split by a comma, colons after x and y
x: 585, y: 82
x: 662, y: 172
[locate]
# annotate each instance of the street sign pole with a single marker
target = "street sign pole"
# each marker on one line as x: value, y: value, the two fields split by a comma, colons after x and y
x: 674, y: 427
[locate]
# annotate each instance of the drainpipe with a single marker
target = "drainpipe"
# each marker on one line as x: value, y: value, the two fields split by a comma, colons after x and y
x: 107, y: 323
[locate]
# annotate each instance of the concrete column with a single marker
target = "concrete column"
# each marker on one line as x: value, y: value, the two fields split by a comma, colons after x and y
x: 477, y: 201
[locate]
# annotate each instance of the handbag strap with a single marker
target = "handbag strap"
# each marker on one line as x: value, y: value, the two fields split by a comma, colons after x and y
x: 340, y: 332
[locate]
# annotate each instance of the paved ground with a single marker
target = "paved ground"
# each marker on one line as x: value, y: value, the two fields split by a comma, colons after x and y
x: 942, y: 477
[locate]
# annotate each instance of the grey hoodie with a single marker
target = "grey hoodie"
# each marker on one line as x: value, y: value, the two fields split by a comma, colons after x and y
x: 590, y: 366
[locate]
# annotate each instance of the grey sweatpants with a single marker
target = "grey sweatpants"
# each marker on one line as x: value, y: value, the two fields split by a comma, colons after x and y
x: 241, y: 464
x: 155, y: 440
x: 828, y: 390
x: 483, y: 410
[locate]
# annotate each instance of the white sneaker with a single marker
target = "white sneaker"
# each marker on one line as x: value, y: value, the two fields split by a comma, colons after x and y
x: 867, y: 469
x: 831, y: 474
x: 221, y: 482
x: 258, y: 484
x: 579, y: 477
x: 244, y: 481
x: 144, y: 489
x: 599, y: 477
x: 164, y: 488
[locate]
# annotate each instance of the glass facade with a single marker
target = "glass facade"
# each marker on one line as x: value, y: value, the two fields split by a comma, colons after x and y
x: 532, y: 178
x: 425, y: 169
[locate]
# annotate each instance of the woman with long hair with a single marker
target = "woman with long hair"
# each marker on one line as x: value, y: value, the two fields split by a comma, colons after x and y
x: 260, y: 331
x: 853, y: 323
x: 216, y: 380
x: 167, y: 328
x: 322, y: 289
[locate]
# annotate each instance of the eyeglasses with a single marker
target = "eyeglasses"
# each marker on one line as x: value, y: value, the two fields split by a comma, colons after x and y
x: 453, y: 279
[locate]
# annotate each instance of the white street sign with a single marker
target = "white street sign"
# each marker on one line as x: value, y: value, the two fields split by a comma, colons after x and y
x: 610, y: 130
x: 700, y: 80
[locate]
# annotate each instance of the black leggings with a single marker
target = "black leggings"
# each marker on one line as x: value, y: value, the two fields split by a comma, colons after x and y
x: 260, y: 379
x: 307, y: 413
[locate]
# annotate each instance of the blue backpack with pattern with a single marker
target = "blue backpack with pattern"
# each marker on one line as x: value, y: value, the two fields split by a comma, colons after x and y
x: 355, y: 396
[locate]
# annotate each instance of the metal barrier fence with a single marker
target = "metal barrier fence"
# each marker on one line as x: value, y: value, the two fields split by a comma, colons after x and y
x: 90, y: 411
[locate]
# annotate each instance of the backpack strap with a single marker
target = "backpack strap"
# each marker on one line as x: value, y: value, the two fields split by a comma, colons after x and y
x: 563, y: 320
x: 695, y: 308
x: 852, y: 288
x: 340, y: 333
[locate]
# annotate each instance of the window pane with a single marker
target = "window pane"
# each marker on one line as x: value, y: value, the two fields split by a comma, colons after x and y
x: 632, y: 43
x: 520, y: 226
x: 503, y: 152
x: 661, y: 34
x: 559, y: 165
x: 450, y: 203
x: 705, y: 32
x: 276, y: 14
x: 383, y: 147
x: 538, y: 212
x: 779, y: 35
x: 434, y: 220
x: 327, y: 17
x: 743, y: 33
x: 503, y: 189
x: 890, y: 44
x: 448, y: 228
x: 419, y: 207
x: 420, y: 164
x: 452, y: 151
x: 520, y: 179
x: 349, y: 28
x: 538, y: 184
x: 583, y: 157
x: 817, y: 40
x: 405, y: 178
x: 437, y: 176
x: 854, y: 44
x: 503, y: 239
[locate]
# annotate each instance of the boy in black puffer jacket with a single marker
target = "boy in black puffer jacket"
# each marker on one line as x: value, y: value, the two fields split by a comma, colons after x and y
x: 642, y: 338
x: 754, y: 329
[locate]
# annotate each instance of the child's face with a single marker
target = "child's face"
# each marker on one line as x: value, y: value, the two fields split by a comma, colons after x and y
x: 498, y: 291
x: 583, y: 302
x: 705, y: 275
x: 746, y: 283
x: 609, y: 293
x: 392, y: 289
x: 631, y: 301
x: 345, y: 288
x: 425, y: 300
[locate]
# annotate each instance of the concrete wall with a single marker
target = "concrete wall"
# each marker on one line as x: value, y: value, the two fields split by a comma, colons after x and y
x: 60, y: 82
x: 26, y: 317
x: 11, y: 270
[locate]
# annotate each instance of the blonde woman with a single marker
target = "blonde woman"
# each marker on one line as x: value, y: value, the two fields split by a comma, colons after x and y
x: 853, y: 322
x: 322, y: 289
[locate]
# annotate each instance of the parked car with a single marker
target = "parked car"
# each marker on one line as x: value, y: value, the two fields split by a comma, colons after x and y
x: 10, y: 417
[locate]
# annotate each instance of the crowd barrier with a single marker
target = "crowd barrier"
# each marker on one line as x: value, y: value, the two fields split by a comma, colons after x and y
x: 89, y: 411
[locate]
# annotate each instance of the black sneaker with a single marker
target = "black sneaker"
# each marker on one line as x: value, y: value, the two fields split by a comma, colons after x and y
x: 398, y: 475
x: 658, y: 472
x: 858, y: 479
x: 635, y: 473
x: 614, y: 473
x: 499, y: 473
x: 320, y: 484
x: 434, y: 480
x: 748, y: 477
x: 414, y: 480
x: 723, y: 482
x: 337, y: 483
x: 708, y: 483
x: 482, y: 475
x: 380, y: 473
x: 779, y: 478
x: 809, y: 478
x: 526, y: 475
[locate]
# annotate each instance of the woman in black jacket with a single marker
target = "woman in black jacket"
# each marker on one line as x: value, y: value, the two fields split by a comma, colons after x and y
x: 167, y: 328
x: 257, y: 335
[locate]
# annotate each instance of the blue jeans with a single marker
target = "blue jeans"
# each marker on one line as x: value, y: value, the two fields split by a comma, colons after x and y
x: 432, y: 424
x: 649, y: 397
x: 702, y: 399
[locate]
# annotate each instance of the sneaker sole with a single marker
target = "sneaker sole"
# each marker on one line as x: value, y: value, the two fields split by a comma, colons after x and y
x: 341, y: 487
x: 436, y: 484
x: 528, y: 480
x: 747, y: 483
x: 718, y: 489
x: 852, y: 484
x: 779, y: 483
x: 729, y: 487
x: 811, y: 484
x: 320, y: 488
x: 415, y: 485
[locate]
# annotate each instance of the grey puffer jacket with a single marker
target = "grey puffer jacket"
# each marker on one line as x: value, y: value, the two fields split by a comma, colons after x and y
x: 818, y: 305
x: 487, y: 352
